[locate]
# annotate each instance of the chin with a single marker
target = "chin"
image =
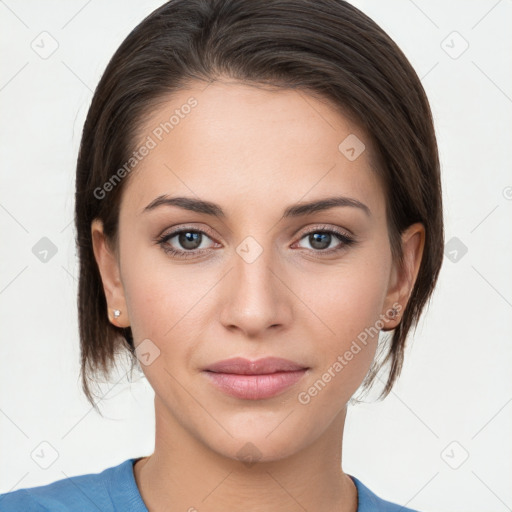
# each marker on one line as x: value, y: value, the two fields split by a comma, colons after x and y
x: 259, y: 438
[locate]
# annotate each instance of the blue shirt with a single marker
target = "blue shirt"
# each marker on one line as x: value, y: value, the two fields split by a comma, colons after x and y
x: 115, y: 490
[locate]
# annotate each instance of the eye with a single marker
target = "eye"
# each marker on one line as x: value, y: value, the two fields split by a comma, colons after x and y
x: 189, y: 242
x: 328, y: 240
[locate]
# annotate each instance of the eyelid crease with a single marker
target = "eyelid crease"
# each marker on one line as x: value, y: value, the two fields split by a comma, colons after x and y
x: 319, y: 227
x: 345, y: 236
x: 326, y: 227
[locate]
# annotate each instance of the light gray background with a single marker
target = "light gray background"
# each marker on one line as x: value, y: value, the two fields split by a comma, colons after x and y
x: 454, y: 397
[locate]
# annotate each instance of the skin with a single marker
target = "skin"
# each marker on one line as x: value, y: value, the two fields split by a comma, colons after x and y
x: 254, y: 152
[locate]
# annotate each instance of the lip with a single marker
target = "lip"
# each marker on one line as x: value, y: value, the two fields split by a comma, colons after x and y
x: 263, y: 366
x: 254, y: 380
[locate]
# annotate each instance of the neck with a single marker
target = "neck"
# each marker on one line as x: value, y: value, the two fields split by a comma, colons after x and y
x: 185, y: 474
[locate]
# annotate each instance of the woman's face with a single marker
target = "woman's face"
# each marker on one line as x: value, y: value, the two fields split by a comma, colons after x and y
x: 253, y: 282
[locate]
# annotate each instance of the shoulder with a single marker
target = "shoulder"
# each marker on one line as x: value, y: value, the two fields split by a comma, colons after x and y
x: 19, y: 500
x: 90, y: 492
x: 368, y: 501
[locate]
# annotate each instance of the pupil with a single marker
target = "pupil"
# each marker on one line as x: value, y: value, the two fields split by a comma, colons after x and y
x: 189, y: 239
x: 320, y: 240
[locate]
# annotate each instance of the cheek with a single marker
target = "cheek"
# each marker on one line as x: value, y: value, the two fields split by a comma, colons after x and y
x: 349, y: 298
x: 347, y: 304
x: 160, y: 305
x: 156, y: 295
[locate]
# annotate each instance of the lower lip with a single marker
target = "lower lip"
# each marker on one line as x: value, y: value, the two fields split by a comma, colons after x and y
x: 255, y: 387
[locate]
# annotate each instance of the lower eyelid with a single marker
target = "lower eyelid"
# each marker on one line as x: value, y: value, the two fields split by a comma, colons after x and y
x: 166, y: 238
x: 343, y: 238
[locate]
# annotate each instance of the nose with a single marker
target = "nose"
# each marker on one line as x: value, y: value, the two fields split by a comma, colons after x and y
x: 256, y: 296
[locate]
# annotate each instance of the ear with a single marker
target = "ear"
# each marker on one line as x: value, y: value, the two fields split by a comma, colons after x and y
x: 404, y: 276
x: 108, y: 265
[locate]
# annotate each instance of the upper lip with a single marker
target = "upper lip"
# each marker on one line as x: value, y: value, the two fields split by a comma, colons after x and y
x: 266, y: 365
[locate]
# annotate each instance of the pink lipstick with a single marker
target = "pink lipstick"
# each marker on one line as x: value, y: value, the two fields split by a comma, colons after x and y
x: 254, y: 380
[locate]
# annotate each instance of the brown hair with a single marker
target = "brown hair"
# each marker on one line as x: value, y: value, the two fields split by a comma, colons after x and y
x: 325, y: 47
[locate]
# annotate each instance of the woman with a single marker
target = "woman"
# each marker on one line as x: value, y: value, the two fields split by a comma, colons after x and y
x: 257, y: 199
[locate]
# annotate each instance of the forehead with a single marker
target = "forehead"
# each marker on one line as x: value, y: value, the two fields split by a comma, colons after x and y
x: 229, y: 141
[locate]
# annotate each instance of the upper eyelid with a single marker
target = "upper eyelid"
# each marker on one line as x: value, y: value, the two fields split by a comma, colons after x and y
x: 173, y: 232
x: 321, y: 227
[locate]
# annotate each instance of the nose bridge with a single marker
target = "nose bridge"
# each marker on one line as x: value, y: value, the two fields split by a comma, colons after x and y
x: 256, y: 298
x: 253, y: 261
x: 253, y: 270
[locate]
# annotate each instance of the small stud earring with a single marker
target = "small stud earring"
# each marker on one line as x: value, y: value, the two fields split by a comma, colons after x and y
x: 117, y: 313
x: 394, y: 313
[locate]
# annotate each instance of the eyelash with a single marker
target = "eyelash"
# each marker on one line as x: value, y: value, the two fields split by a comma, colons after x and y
x: 345, y: 239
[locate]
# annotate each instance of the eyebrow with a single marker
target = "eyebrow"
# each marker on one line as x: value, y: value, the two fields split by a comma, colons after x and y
x: 295, y: 210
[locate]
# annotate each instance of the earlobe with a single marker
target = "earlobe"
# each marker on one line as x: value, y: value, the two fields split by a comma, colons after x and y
x: 413, y: 242
x: 108, y: 266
